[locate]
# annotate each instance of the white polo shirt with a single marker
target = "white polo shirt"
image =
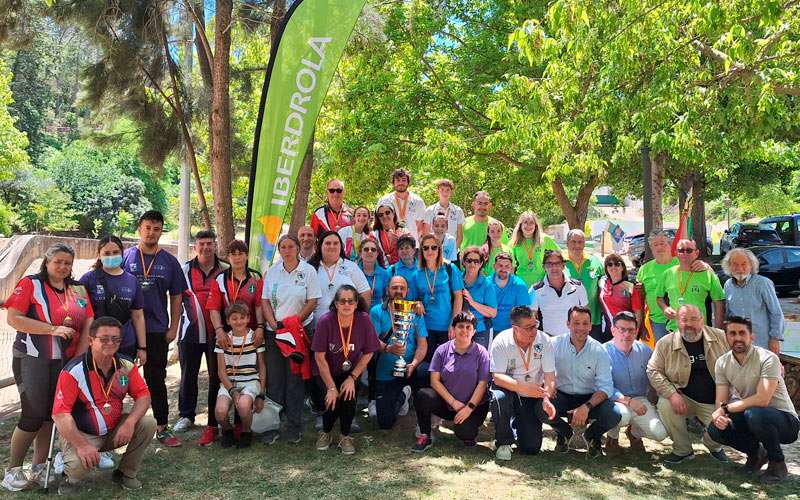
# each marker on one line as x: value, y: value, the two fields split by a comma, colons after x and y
x: 415, y: 210
x: 288, y: 292
x: 553, y: 306
x: 505, y: 357
x: 453, y: 213
x: 344, y: 272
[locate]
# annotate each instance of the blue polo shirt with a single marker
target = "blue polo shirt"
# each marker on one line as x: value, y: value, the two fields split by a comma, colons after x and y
x: 382, y: 321
x: 378, y: 281
x: 439, y: 305
x: 409, y: 273
x: 629, y: 372
x: 515, y: 293
x: 483, y: 292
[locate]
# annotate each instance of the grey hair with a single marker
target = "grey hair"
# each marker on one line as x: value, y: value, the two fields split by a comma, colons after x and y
x: 656, y: 233
x: 51, y: 252
x: 726, y: 261
x: 575, y: 232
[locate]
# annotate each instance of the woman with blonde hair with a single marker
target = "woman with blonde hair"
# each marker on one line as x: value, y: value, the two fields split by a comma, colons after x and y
x: 528, y: 243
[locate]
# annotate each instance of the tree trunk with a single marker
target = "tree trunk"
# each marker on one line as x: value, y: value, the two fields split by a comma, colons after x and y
x: 699, y: 214
x: 658, y: 166
x: 185, y: 210
x: 278, y: 12
x: 303, y: 186
x: 575, y: 214
x: 221, y: 126
x: 685, y: 185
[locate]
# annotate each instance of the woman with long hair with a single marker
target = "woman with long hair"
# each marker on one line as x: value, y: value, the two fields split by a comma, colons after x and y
x: 386, y: 231
x: 495, y: 232
x: 355, y: 234
x: 528, y: 243
x: 479, y: 294
x: 618, y: 293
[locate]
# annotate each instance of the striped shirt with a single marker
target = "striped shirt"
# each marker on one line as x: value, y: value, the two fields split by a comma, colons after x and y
x: 241, y: 358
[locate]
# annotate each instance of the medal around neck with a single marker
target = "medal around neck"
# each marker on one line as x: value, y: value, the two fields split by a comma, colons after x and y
x: 402, y: 326
x: 346, y: 365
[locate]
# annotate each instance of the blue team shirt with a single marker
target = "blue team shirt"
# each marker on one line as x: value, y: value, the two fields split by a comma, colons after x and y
x: 439, y: 306
x: 483, y: 292
x: 629, y: 373
x: 409, y: 273
x: 382, y: 321
x: 515, y: 293
x: 378, y: 281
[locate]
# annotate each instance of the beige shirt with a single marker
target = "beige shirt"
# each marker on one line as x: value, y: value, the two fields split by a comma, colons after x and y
x: 744, y: 378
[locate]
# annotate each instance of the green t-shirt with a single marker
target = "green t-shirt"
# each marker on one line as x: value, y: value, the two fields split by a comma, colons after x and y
x: 474, y: 233
x: 689, y: 288
x: 589, y: 274
x: 532, y: 270
x: 650, y: 276
x: 489, y: 267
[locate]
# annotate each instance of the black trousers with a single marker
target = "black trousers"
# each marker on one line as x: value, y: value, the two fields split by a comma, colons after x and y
x: 427, y: 402
x: 344, y: 411
x: 191, y: 354
x: 767, y: 426
x: 155, y: 374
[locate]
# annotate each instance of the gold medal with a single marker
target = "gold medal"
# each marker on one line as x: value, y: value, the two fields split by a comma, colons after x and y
x: 107, y: 408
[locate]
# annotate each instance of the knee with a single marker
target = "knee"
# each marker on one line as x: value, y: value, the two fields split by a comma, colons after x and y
x: 608, y: 412
x: 146, y: 424
x: 754, y: 417
x: 658, y: 432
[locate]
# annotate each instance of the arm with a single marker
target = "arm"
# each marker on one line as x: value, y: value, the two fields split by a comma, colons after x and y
x: 219, y: 331
x: 764, y: 392
x: 174, y: 317
x: 719, y: 417
x: 88, y: 454
x: 83, y: 342
x: 459, y: 236
x: 18, y: 321
x: 474, y: 400
x: 125, y: 430
x: 526, y: 390
x: 419, y: 355
x: 656, y: 372
x: 719, y: 314
x: 307, y: 309
x: 367, y: 295
x: 487, y: 311
x: 438, y: 386
x: 325, y: 373
x: 775, y: 316
x: 348, y: 387
x: 269, y: 314
x: 137, y: 317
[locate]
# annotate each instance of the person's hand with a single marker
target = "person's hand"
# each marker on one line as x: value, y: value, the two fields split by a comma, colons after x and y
x: 259, y: 405
x: 580, y: 415
x: 348, y: 389
x: 548, y: 408
x: 170, y: 335
x: 410, y: 369
x: 89, y: 456
x: 419, y: 308
x: 141, y: 356
x: 222, y: 339
x: 637, y: 406
x: 699, y: 265
x: 462, y: 414
x: 235, y: 397
x: 774, y: 345
x: 273, y: 325
x: 258, y: 337
x: 670, y: 313
x: 330, y: 399
x: 468, y: 296
x: 678, y: 404
x: 124, y: 433
x: 457, y: 405
x: 451, y: 333
x: 720, y: 419
x: 396, y: 349
x: 644, y: 335
x: 64, y: 332
x: 531, y: 391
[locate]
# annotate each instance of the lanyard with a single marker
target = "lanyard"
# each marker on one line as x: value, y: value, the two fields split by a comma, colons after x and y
x: 529, y: 250
x: 526, y: 361
x: 64, y: 303
x: 345, y: 344
x: 682, y: 288
x: 330, y: 274
x: 235, y: 366
x: 401, y: 209
x: 236, y: 292
x: 431, y: 286
x: 146, y: 270
x: 107, y: 388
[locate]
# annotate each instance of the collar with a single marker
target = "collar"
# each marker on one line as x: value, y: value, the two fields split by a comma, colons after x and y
x: 87, y: 366
x: 217, y: 266
x: 747, y: 356
x: 470, y: 349
x: 746, y: 281
x: 566, y: 282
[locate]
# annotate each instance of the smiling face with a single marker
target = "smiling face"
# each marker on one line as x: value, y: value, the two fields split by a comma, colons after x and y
x: 105, y: 341
x: 335, y: 193
x: 495, y: 231
x: 331, y: 249
x: 661, y: 248
x: 239, y: 322
x: 528, y: 227
x: 444, y: 192
x: 503, y: 268
x: 615, y: 268
x: 439, y: 226
x: 406, y: 252
x: 690, y: 321
x: 346, y: 303
x: 554, y: 266
x: 307, y: 238
x: 687, y: 253
x: 464, y: 333
x: 576, y: 244
x: 205, y: 248
x: 739, y: 337
x: 385, y: 215
x: 481, y: 205
x: 473, y: 262
x: 398, y: 288
x: 361, y: 217
x: 430, y: 251
x: 369, y: 252
x: 400, y: 183
x: 579, y: 324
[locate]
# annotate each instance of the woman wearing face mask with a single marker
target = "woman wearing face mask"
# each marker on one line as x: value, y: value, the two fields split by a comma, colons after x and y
x: 528, y: 244
x: 354, y: 235
x: 115, y: 292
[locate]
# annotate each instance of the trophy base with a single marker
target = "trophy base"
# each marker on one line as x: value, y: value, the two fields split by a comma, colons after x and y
x: 399, y: 370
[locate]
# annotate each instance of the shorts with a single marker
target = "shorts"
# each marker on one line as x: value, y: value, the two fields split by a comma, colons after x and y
x: 36, y: 380
x: 251, y: 388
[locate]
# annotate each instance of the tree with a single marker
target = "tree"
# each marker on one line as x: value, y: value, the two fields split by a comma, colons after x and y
x: 13, y: 143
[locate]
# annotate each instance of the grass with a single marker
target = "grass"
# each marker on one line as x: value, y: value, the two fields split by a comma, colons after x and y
x: 384, y: 467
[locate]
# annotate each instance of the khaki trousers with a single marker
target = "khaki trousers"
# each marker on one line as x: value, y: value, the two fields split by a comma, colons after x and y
x: 676, y: 424
x: 132, y: 458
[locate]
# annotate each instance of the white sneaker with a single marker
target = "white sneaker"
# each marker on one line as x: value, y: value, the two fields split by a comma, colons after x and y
x: 38, y: 472
x: 182, y: 425
x: 435, y: 422
x: 15, y: 479
x: 58, y: 463
x: 372, y: 409
x: 106, y: 461
x: 503, y: 452
x: 403, y: 411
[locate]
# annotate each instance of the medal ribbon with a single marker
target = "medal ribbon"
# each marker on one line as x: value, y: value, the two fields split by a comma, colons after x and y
x: 106, y: 389
x: 235, y: 366
x: 330, y: 274
x: 431, y: 286
x: 401, y: 208
x: 236, y: 289
x: 529, y: 250
x: 682, y: 288
x: 345, y: 344
x: 526, y: 362
x: 146, y: 270
x: 65, y: 302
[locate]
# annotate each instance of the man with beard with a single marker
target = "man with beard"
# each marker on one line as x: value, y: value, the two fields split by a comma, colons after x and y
x: 680, y: 371
x: 409, y: 207
x: 761, y: 417
x: 476, y: 226
x: 308, y: 242
x: 752, y: 296
x: 509, y: 289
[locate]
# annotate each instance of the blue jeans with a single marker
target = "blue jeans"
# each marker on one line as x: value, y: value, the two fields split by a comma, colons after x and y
x: 768, y: 426
x: 515, y: 416
x: 606, y: 415
x: 389, y: 399
x: 482, y: 338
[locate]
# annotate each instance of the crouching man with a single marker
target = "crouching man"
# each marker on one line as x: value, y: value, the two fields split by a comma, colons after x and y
x: 88, y: 410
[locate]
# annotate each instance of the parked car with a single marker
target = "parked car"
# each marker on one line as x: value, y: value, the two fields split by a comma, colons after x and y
x: 638, y: 245
x: 748, y: 235
x: 781, y: 264
x: 787, y: 227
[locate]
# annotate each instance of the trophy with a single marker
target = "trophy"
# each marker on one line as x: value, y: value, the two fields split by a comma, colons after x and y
x: 403, y: 326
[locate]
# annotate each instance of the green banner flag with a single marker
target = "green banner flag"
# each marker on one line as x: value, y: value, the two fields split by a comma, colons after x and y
x: 302, y: 63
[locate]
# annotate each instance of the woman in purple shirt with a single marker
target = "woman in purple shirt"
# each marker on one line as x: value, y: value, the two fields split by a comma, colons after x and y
x: 344, y: 341
x: 459, y: 378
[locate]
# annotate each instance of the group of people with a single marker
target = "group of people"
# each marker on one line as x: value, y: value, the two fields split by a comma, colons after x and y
x: 499, y: 324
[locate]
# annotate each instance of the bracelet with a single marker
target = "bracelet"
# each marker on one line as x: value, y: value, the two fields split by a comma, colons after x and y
x: 354, y: 377
x: 471, y: 405
x: 331, y: 389
x: 589, y: 405
x: 725, y: 408
x: 142, y: 348
x: 219, y: 328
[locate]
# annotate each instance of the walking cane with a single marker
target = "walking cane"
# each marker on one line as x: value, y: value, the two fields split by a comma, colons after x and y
x: 49, y: 459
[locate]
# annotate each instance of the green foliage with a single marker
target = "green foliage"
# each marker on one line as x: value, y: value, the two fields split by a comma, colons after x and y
x: 771, y: 199
x: 40, y: 204
x: 8, y: 219
x: 124, y: 222
x: 13, y: 156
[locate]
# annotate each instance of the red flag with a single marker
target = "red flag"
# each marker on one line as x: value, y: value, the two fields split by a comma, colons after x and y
x: 682, y: 233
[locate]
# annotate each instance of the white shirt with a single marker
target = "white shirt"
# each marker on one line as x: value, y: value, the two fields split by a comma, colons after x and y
x: 344, y: 272
x: 505, y: 357
x: 453, y: 213
x: 288, y: 292
x: 415, y: 210
x: 553, y: 307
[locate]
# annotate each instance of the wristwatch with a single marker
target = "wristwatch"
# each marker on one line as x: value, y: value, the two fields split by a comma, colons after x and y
x: 471, y: 405
x: 589, y: 405
x: 725, y: 408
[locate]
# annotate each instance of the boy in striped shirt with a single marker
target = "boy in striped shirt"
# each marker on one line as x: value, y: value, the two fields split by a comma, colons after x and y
x: 242, y: 375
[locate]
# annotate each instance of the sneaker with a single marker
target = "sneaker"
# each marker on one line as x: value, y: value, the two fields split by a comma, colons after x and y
x: 403, y: 411
x: 417, y: 434
x: 58, y: 463
x: 15, y: 479
x: 347, y: 445
x: 561, y: 444
x: 106, y: 461
x: 323, y: 441
x: 208, y: 436
x: 245, y: 438
x: 127, y: 483
x: 270, y: 437
x: 227, y: 438
x: 318, y: 424
x: 503, y: 452
x: 372, y: 409
x: 595, y: 448
x: 423, y: 444
x: 720, y: 456
x: 67, y: 488
x: 354, y: 427
x: 436, y: 422
x: 182, y: 425
x: 294, y: 438
x: 167, y: 438
x: 38, y: 473
x: 672, y: 458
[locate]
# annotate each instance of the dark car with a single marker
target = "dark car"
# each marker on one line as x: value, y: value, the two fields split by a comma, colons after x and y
x: 638, y: 245
x: 781, y: 264
x: 748, y: 235
x: 787, y: 227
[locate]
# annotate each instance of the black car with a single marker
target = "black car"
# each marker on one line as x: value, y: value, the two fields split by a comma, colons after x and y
x: 787, y: 226
x: 638, y: 245
x: 748, y: 235
x: 781, y: 264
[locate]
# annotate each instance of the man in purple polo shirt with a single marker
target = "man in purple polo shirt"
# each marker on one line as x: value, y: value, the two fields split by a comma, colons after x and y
x: 159, y: 274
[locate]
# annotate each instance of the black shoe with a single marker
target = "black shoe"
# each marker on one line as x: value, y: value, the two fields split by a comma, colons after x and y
x: 720, y: 456
x: 561, y: 444
x: 595, y: 448
x: 423, y: 444
x: 245, y: 438
x: 755, y: 462
x: 227, y: 439
x: 676, y: 459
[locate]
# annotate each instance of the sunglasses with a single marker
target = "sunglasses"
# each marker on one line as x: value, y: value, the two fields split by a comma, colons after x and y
x: 369, y: 249
x: 109, y: 340
x: 346, y: 301
x: 615, y: 264
x: 472, y: 261
x: 425, y: 248
x: 335, y: 190
x: 685, y: 250
x: 384, y: 214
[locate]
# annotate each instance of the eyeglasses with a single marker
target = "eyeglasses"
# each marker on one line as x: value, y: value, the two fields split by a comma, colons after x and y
x: 472, y: 261
x: 346, y: 301
x: 369, y: 249
x: 685, y: 250
x: 335, y: 190
x: 425, y: 248
x: 109, y: 340
x: 384, y: 214
x: 614, y: 264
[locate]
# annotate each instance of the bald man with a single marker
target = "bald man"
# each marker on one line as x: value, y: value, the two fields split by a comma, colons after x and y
x: 308, y: 242
x: 334, y: 214
x: 681, y: 371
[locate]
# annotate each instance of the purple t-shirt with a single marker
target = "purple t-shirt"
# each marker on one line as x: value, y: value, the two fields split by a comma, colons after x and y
x: 164, y: 277
x: 364, y: 340
x: 460, y: 373
x: 125, y: 287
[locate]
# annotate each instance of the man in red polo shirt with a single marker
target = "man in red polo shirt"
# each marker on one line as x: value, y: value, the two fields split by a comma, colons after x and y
x: 334, y: 214
x: 88, y: 410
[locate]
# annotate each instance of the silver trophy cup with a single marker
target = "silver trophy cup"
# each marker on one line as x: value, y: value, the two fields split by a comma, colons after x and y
x: 403, y: 321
